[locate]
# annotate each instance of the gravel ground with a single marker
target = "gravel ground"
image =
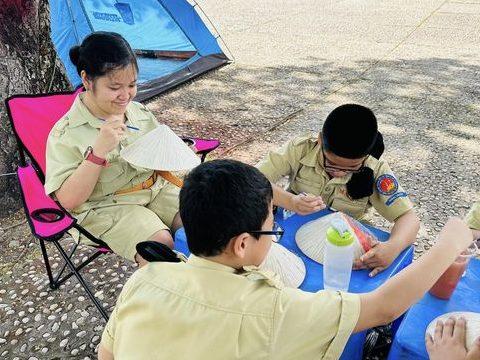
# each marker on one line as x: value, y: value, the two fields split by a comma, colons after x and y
x: 415, y: 64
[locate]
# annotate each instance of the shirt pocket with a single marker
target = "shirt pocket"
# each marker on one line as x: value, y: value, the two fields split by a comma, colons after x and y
x: 144, y: 124
x: 112, y: 178
x: 354, y: 208
x: 307, y: 186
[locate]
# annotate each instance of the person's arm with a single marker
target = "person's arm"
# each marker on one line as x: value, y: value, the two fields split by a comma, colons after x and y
x: 104, y: 354
x: 302, y: 204
x: 393, y: 298
x: 403, y: 234
x: 78, y: 187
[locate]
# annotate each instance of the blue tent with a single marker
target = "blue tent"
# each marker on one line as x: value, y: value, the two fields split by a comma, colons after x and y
x: 170, y: 39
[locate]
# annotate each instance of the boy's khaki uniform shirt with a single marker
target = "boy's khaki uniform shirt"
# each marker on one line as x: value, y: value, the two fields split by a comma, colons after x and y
x: 119, y: 220
x: 473, y: 217
x: 204, y: 310
x: 301, y: 159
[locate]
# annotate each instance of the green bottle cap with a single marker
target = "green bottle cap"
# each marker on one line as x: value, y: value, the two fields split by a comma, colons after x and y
x: 335, y: 238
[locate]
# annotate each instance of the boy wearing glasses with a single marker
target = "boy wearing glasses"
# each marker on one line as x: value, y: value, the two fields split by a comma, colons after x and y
x: 218, y: 305
x: 341, y: 169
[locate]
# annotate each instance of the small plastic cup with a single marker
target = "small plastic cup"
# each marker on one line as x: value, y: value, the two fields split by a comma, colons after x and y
x: 446, y: 284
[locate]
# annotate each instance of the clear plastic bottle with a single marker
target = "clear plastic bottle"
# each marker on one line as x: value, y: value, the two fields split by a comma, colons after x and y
x: 338, y: 258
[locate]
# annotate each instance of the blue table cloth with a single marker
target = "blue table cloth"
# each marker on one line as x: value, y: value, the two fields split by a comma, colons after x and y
x: 360, y: 281
x: 409, y: 341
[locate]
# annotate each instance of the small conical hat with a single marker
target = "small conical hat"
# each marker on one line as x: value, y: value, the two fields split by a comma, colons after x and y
x: 311, y: 237
x: 473, y: 325
x: 160, y: 149
x: 288, y: 266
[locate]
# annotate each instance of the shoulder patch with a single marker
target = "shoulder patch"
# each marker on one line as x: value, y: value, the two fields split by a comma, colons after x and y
x: 394, y: 197
x: 387, y: 184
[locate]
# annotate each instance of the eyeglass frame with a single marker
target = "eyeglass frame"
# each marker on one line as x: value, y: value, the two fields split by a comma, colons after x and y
x: 335, y: 168
x: 278, y: 233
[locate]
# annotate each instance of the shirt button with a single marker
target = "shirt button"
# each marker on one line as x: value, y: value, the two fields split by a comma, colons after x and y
x: 328, y: 188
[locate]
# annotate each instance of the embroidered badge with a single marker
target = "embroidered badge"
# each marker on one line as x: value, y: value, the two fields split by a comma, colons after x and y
x: 387, y: 185
x: 394, y: 197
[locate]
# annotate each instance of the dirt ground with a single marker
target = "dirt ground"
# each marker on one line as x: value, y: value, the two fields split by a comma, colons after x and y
x: 414, y: 63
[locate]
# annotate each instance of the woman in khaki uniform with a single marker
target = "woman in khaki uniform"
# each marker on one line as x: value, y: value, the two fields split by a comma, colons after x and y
x: 115, y: 201
x: 340, y: 169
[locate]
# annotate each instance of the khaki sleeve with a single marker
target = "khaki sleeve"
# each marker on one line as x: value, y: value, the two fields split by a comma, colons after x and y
x: 473, y: 216
x: 389, y: 198
x: 281, y: 162
x: 62, y: 159
x: 108, y: 335
x: 313, y: 325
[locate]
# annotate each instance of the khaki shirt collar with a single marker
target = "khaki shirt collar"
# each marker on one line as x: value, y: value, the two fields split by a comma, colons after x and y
x: 80, y: 115
x: 314, y: 159
x: 208, y: 264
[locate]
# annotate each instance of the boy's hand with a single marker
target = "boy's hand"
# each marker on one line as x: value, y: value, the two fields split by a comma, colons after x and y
x: 378, y: 258
x: 304, y: 204
x: 448, y: 341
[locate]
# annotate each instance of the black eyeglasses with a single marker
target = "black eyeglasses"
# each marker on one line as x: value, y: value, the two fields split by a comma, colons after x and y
x: 328, y: 167
x: 276, y: 232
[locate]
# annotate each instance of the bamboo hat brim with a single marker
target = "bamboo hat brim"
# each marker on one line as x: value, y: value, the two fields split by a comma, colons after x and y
x: 288, y: 266
x: 160, y: 149
x: 311, y: 237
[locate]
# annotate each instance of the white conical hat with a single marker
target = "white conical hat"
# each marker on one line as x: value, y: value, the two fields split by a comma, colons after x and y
x: 473, y: 325
x: 160, y: 149
x: 288, y: 266
x: 311, y: 237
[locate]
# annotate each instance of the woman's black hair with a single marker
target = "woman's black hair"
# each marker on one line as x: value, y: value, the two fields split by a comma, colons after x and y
x: 351, y: 131
x: 102, y: 52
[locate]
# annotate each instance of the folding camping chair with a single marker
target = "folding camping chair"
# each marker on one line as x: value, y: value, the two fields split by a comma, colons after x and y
x: 32, y: 117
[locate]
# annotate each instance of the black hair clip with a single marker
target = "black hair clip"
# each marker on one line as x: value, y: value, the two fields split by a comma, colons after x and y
x: 361, y: 184
x: 153, y: 251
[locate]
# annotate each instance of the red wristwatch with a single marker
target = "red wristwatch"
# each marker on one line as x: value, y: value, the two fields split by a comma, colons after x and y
x: 90, y: 156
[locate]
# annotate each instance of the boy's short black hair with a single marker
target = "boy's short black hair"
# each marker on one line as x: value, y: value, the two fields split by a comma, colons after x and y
x: 221, y: 199
x: 350, y: 131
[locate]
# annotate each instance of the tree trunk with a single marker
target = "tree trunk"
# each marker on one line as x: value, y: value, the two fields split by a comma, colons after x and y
x: 28, y: 65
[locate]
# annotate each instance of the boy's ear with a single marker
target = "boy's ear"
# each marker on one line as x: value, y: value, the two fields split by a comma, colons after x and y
x: 239, y: 245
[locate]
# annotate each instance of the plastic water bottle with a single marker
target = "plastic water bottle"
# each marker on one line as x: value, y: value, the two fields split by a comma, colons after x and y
x: 338, y: 257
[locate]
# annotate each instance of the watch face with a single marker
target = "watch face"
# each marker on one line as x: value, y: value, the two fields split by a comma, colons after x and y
x: 87, y: 152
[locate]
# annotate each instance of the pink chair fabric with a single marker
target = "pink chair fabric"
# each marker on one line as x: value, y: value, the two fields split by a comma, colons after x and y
x: 46, y: 218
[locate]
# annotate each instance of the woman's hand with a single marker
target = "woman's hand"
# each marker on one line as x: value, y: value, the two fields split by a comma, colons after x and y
x: 111, y: 132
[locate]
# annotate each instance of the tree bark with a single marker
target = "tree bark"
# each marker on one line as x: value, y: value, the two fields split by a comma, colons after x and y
x: 28, y: 65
